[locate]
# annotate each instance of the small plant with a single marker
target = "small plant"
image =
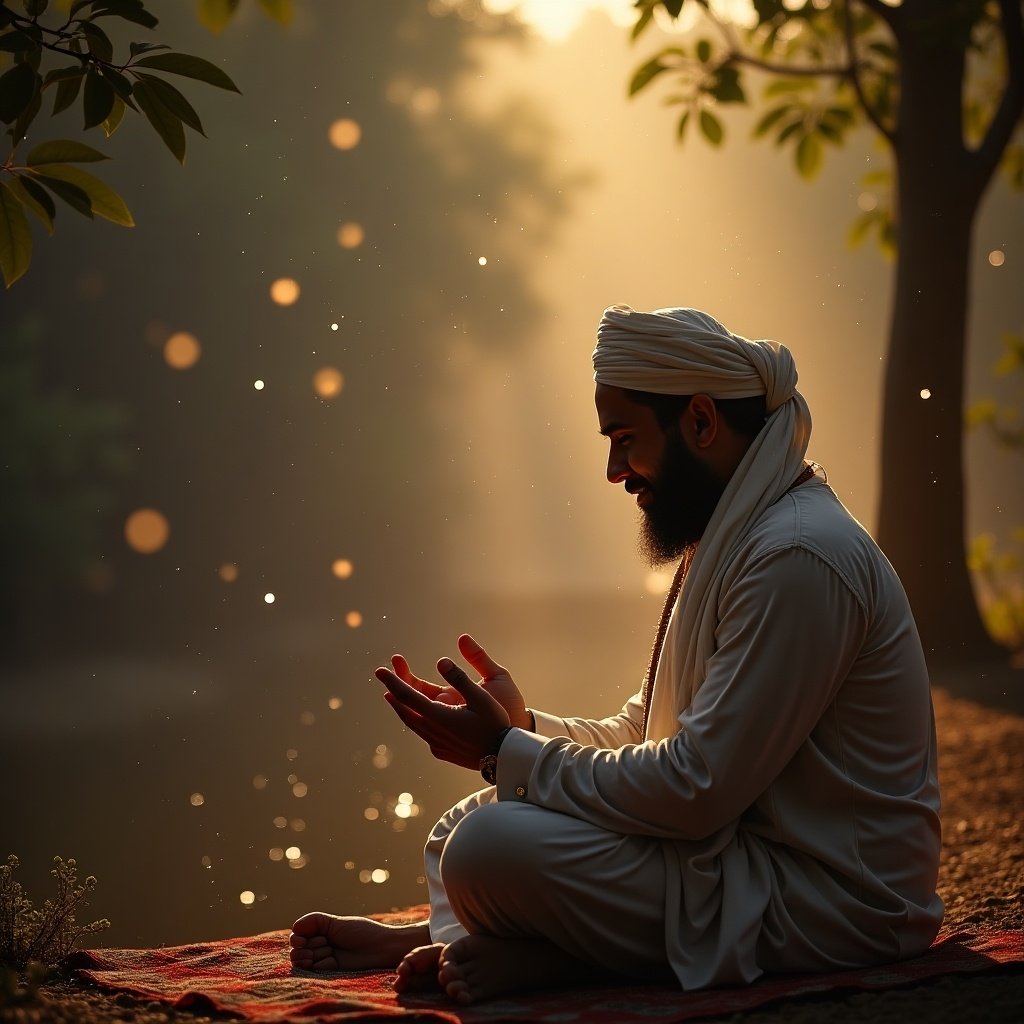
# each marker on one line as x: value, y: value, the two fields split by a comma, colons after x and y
x: 47, y: 935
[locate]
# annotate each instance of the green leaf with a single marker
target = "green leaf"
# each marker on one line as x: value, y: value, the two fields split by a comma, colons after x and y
x: 781, y: 86
x: 35, y: 198
x: 103, y: 200
x: 174, y: 101
x: 98, y: 41
x: 681, y: 127
x: 98, y: 100
x: 711, y: 127
x: 74, y: 196
x: 726, y: 87
x: 16, y: 42
x: 642, y: 22
x: 61, y: 74
x: 17, y: 87
x: 15, y: 236
x: 215, y: 14
x: 768, y: 121
x: 189, y: 67
x: 128, y: 11
x: 165, y: 123
x: 673, y: 7
x: 113, y: 122
x: 33, y: 8
x: 645, y: 74
x: 67, y: 92
x: 26, y: 117
x: 790, y: 129
x: 136, y: 48
x: 809, y: 155
x: 118, y: 82
x: 280, y: 10
x: 703, y: 50
x: 63, y: 151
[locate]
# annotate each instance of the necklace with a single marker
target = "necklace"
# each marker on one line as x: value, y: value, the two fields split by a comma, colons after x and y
x: 673, y: 592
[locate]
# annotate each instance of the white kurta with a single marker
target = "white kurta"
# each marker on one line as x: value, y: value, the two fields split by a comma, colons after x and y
x: 795, y: 812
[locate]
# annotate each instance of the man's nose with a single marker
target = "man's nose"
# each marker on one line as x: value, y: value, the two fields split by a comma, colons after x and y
x: 618, y: 466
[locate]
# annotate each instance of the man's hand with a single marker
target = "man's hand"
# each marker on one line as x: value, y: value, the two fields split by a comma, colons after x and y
x: 461, y: 721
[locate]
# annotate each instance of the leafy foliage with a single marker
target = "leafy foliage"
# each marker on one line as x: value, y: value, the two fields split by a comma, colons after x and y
x: 106, y: 88
x: 215, y: 14
x: 48, y: 934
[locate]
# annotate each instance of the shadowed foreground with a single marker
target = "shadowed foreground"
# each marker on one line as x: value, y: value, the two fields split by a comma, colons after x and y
x: 981, y: 880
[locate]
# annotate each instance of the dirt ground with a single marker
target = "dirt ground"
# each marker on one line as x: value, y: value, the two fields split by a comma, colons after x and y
x: 981, y: 880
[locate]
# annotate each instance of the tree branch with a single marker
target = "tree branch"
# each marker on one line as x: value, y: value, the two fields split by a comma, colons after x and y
x: 855, y: 79
x: 986, y: 157
x: 835, y: 71
x: 890, y: 15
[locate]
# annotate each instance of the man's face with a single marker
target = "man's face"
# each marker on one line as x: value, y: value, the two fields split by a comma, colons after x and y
x: 675, y: 490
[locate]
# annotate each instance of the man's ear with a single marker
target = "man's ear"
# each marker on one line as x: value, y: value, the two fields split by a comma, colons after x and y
x: 701, y: 415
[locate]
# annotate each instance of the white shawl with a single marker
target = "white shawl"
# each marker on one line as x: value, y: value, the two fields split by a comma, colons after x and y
x: 680, y: 351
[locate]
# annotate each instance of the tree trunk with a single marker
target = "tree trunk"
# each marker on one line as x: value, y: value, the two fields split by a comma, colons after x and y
x: 921, y: 511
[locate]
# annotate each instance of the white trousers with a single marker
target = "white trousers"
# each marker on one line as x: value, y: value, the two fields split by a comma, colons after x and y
x: 514, y: 870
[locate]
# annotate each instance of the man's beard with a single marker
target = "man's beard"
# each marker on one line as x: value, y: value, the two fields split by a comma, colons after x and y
x: 683, y: 497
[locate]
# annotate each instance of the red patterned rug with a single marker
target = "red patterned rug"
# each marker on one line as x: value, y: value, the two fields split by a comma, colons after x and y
x: 252, y: 978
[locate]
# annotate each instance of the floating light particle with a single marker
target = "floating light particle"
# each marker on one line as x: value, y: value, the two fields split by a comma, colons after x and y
x: 300, y: 789
x: 867, y: 201
x: 291, y: 753
x: 182, y: 350
x: 206, y: 861
x: 482, y: 261
x: 371, y: 814
x: 398, y: 825
x: 425, y: 101
x: 307, y: 718
x: 280, y: 821
x: 293, y: 853
x: 350, y: 236
x: 276, y: 853
x: 349, y: 865
x: 298, y: 862
x: 354, y: 619
x: 146, y: 530
x: 285, y: 291
x: 926, y: 393
x: 197, y: 799
x: 342, y: 568
x: 379, y: 875
x: 405, y: 798
x: 228, y: 572
x: 381, y: 757
x: 345, y: 133
x: 292, y: 779
x: 334, y: 703
x: 996, y: 258
x: 269, y: 598
x: 421, y: 880
x: 298, y: 825
x: 364, y: 876
x: 402, y: 810
x: 334, y: 327
x: 247, y: 898
x: 258, y: 385
x: 260, y: 782
x: 328, y: 382
x: 657, y: 582
x: 414, y: 809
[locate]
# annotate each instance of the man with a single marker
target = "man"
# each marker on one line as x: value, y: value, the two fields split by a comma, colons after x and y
x: 767, y: 802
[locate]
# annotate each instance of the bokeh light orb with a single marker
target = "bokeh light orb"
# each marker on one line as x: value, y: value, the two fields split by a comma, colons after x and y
x: 247, y: 898
x: 182, y: 350
x: 351, y: 235
x: 342, y: 568
x: 345, y: 133
x: 328, y: 382
x: 285, y: 291
x: 146, y: 530
x: 228, y: 572
x: 354, y: 619
x: 996, y: 258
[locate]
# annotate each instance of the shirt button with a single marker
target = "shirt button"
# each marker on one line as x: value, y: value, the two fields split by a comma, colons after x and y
x: 520, y: 791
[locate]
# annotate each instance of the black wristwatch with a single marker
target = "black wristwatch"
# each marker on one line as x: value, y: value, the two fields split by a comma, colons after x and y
x: 489, y: 762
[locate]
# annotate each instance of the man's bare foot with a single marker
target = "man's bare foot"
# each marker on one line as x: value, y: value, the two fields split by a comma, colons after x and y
x: 326, y: 942
x: 478, y: 967
x: 418, y: 969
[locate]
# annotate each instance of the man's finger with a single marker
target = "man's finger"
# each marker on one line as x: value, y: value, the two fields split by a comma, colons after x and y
x: 477, y: 698
x: 406, y: 694
x: 405, y: 673
x: 479, y: 658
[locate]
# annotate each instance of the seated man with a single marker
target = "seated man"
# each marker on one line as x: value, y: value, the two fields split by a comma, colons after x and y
x: 767, y: 802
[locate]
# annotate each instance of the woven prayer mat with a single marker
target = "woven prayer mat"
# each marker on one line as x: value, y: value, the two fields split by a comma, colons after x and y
x: 251, y: 978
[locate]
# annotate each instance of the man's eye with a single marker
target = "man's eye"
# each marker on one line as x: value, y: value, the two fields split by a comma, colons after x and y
x: 622, y: 439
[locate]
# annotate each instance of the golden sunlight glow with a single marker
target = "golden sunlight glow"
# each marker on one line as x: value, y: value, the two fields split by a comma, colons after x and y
x: 350, y: 236
x: 285, y: 291
x: 181, y: 350
x: 146, y: 530
x: 657, y: 581
x: 425, y: 101
x: 996, y: 257
x: 247, y: 898
x: 403, y: 810
x: 342, y: 568
x: 556, y: 19
x: 228, y: 572
x: 328, y: 382
x: 354, y: 619
x: 345, y: 133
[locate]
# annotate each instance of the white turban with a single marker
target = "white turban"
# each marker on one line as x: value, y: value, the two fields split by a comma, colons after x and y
x: 681, y: 351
